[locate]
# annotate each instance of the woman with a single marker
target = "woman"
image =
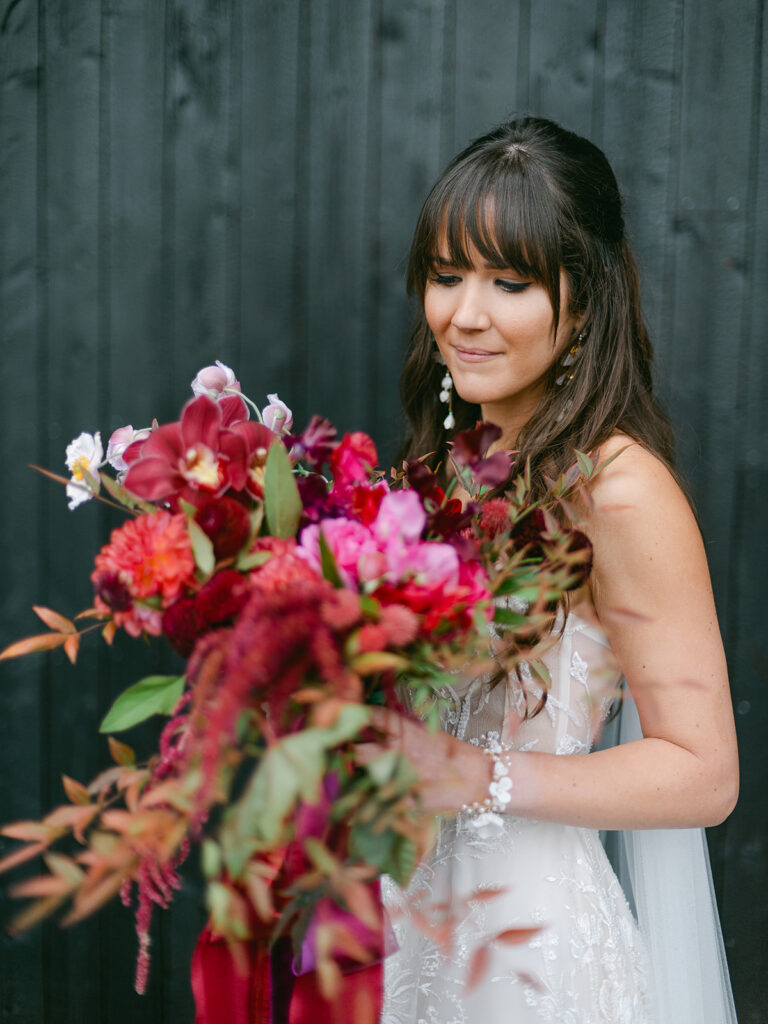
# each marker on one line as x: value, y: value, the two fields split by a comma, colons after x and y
x: 530, y: 299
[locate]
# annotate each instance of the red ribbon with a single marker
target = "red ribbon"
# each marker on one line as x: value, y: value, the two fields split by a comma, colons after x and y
x: 262, y: 989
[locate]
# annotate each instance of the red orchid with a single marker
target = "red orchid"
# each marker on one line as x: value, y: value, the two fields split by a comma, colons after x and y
x: 191, y: 459
x: 258, y: 439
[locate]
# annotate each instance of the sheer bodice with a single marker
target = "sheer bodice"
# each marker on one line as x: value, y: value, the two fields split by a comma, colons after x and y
x: 487, y: 875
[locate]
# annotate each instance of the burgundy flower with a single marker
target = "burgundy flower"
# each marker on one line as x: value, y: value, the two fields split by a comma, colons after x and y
x: 527, y: 532
x: 190, y: 459
x: 469, y: 448
x: 424, y: 481
x: 223, y: 597
x: 113, y: 591
x: 183, y: 625
x: 316, y: 442
x: 226, y: 522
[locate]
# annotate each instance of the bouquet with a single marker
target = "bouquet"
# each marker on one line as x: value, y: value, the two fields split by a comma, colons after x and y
x: 302, y: 587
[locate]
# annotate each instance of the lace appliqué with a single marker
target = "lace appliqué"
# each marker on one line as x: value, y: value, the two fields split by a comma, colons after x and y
x: 586, y: 964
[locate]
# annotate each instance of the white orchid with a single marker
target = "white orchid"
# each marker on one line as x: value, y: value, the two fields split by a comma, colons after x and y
x: 84, y: 457
x: 277, y: 416
x: 214, y: 381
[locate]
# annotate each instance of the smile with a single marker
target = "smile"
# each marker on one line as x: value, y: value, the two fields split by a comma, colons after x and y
x: 474, y: 355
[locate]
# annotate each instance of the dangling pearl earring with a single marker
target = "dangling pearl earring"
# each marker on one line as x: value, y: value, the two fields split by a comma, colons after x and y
x: 446, y: 392
x: 570, y: 358
x: 446, y: 396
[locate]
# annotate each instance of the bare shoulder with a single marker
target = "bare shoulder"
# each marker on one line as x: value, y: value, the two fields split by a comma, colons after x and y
x: 633, y: 479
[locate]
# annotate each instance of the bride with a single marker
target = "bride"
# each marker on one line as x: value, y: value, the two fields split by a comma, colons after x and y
x: 530, y: 298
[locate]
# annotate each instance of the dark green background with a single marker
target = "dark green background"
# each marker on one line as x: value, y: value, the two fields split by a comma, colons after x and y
x: 186, y: 180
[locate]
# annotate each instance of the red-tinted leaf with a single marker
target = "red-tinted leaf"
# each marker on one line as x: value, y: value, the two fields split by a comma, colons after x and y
x: 53, y: 620
x: 29, y: 831
x: 109, y: 632
x: 42, y: 642
x: 72, y: 816
x: 35, y: 913
x: 71, y: 647
x: 478, y: 967
x: 516, y: 936
x: 121, y: 752
x: 89, y: 900
x: 76, y: 791
x: 42, y: 885
x: 20, y: 856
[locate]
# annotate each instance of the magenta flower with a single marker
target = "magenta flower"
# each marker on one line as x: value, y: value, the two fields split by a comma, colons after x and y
x: 349, y: 542
x: 193, y: 458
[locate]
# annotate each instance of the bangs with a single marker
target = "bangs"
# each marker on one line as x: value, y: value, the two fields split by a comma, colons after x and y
x: 498, y: 205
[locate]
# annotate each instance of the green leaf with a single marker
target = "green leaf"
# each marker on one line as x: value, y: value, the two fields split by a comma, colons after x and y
x: 246, y: 562
x: 328, y: 562
x: 202, y: 547
x: 586, y: 465
x: 281, y: 495
x: 374, y: 847
x: 506, y: 617
x: 211, y: 858
x: 155, y: 695
x: 123, y: 496
x: 290, y: 770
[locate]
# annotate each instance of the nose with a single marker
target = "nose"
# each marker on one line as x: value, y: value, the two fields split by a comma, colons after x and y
x: 470, y: 313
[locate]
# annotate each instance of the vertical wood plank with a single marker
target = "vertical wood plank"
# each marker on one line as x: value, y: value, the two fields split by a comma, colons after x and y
x: 641, y: 97
x: 489, y: 40
x: 273, y: 255
x: 333, y: 282
x: 744, y: 845
x: 22, y: 436
x: 202, y: 186
x: 70, y: 208
x: 565, y: 41
x: 413, y: 138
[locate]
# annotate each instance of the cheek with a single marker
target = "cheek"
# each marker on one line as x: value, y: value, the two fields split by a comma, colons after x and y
x: 437, y: 310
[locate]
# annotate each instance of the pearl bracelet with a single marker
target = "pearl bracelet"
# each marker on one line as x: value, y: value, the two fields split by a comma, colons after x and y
x: 500, y: 785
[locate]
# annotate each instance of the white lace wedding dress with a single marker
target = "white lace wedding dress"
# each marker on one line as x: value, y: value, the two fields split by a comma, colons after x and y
x: 587, y: 962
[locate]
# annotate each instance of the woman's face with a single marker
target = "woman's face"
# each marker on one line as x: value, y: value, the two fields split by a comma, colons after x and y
x: 495, y: 330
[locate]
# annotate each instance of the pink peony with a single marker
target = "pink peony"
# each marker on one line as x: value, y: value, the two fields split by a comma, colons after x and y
x: 401, y: 516
x: 347, y: 540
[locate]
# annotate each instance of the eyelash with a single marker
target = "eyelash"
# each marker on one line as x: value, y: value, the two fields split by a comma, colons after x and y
x: 511, y: 287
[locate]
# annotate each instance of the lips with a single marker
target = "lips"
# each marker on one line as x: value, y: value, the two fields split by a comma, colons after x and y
x: 473, y: 355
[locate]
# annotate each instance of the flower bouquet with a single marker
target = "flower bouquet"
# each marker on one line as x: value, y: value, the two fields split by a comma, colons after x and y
x: 302, y: 588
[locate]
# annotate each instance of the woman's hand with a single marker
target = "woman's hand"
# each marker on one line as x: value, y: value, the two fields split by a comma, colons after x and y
x: 451, y: 772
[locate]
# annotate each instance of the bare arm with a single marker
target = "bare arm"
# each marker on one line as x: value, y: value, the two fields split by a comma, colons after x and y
x: 652, y: 594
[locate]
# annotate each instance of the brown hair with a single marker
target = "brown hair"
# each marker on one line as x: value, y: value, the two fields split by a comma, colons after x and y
x: 534, y: 197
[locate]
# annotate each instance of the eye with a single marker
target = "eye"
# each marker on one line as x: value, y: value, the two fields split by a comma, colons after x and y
x: 447, y: 280
x: 513, y: 287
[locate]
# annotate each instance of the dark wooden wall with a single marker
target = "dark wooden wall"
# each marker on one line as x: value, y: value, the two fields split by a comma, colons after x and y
x: 186, y: 180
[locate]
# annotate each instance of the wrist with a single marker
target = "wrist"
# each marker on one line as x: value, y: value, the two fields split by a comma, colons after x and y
x: 494, y: 794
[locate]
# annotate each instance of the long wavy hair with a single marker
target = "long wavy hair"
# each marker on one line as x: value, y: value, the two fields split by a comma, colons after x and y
x: 536, y: 198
